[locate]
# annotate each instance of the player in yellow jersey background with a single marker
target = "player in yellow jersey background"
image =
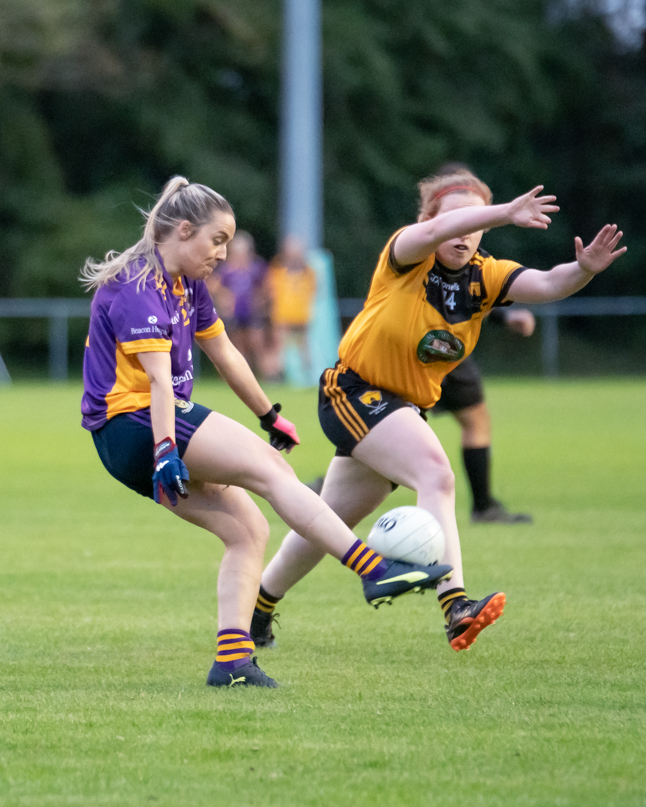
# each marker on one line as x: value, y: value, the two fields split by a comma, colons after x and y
x: 430, y: 291
x: 291, y: 286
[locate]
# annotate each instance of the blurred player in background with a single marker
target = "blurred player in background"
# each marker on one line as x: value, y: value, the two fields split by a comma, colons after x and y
x: 429, y: 293
x: 237, y: 287
x: 291, y: 286
x: 463, y: 396
x: 151, y: 302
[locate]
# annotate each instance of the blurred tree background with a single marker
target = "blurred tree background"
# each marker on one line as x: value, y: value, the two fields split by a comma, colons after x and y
x: 102, y: 100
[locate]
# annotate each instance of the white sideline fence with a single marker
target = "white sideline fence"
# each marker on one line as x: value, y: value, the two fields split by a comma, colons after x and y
x: 58, y: 311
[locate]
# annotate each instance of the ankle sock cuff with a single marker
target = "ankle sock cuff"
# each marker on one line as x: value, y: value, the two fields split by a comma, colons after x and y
x: 235, y: 646
x: 447, y: 598
x: 266, y: 602
x: 364, y: 561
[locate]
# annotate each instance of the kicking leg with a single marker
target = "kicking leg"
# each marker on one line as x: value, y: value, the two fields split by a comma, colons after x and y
x: 353, y: 491
x: 225, y: 452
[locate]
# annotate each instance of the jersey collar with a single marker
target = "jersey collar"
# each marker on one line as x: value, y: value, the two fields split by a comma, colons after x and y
x: 176, y: 286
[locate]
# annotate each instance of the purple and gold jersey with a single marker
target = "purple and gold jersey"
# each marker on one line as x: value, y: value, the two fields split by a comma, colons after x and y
x: 161, y: 316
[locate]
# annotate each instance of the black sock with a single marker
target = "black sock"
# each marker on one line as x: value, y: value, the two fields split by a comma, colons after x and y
x: 265, y: 602
x: 477, y: 462
x: 447, y: 598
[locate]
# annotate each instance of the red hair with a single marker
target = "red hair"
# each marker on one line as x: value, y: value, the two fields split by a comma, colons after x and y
x: 433, y: 188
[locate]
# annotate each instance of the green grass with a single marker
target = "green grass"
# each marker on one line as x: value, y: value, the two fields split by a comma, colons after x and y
x: 108, y: 626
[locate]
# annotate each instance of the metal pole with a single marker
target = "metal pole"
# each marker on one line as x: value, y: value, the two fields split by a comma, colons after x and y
x: 301, y: 123
x: 550, y: 344
x: 5, y: 378
x: 58, y: 340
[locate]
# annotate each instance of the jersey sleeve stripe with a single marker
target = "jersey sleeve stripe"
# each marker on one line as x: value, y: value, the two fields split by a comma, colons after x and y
x: 146, y: 346
x: 504, y: 291
x: 398, y: 268
x: 213, y: 330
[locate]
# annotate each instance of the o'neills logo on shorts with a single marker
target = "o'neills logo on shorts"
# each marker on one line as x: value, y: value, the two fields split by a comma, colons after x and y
x: 439, y: 346
x: 185, y: 406
x: 372, y: 399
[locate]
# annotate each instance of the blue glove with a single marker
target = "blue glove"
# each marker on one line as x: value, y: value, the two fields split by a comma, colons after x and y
x: 170, y: 472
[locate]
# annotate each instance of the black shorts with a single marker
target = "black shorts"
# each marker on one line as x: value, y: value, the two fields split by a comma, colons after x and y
x: 461, y: 388
x: 125, y: 443
x: 349, y: 407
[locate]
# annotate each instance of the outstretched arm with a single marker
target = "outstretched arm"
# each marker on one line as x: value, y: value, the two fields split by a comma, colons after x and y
x: 565, y: 279
x: 419, y: 241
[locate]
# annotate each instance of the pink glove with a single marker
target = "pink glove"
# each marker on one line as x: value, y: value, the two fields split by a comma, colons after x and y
x: 282, y: 433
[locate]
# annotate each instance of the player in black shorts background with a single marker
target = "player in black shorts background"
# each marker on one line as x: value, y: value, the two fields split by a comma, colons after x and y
x: 463, y: 396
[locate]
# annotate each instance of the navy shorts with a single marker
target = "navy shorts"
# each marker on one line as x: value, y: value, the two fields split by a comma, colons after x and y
x: 461, y: 388
x: 125, y: 443
x: 349, y: 407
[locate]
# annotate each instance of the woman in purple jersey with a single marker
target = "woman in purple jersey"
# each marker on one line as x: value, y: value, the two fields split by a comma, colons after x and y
x: 237, y: 289
x: 150, y: 303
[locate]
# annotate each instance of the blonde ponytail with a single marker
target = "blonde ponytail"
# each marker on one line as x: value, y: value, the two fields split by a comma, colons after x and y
x: 180, y: 200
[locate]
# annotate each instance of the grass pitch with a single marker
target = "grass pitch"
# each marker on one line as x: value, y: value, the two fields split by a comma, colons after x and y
x: 108, y: 631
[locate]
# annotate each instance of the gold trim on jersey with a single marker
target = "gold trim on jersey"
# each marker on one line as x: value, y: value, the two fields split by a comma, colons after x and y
x: 146, y: 346
x: 131, y: 389
x: 342, y: 407
x: 212, y: 331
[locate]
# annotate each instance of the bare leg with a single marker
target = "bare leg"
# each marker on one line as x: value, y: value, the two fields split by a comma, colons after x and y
x: 224, y: 452
x: 475, y: 424
x: 233, y: 516
x: 406, y: 450
x: 275, y: 355
x: 299, y: 336
x: 256, y: 350
x: 353, y: 491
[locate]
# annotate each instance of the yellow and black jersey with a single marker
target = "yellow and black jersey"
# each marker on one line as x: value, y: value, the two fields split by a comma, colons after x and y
x: 421, y: 321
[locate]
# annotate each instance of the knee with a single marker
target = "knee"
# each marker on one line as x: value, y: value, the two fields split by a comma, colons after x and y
x: 473, y: 417
x: 252, y: 535
x: 436, y: 473
x: 259, y: 534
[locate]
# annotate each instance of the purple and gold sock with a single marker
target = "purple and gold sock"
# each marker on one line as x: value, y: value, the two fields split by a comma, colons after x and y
x: 365, y: 561
x: 266, y: 602
x: 235, y: 646
x: 447, y: 598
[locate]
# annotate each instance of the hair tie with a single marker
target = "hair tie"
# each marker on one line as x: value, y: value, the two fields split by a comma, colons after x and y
x: 457, y: 188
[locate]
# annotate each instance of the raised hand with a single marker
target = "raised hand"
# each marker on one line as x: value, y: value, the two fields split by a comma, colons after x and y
x: 601, y: 252
x: 520, y: 320
x: 530, y: 210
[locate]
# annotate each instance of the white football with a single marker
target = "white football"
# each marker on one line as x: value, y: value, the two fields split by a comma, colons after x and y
x: 411, y: 534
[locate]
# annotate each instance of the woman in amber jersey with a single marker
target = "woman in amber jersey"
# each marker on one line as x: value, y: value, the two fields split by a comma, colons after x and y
x: 291, y: 285
x: 431, y: 289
